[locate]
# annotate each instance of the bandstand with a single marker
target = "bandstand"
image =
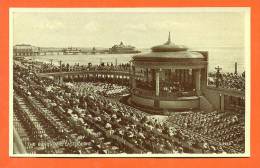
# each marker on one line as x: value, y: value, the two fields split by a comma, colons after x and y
x: 169, y: 77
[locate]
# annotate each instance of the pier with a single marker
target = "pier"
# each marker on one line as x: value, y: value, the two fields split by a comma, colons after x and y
x: 29, y: 50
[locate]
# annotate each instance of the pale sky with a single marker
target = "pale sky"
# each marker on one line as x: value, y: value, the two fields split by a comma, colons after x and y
x: 143, y: 30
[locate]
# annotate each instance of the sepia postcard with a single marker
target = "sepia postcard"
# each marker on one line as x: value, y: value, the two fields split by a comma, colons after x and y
x: 129, y: 82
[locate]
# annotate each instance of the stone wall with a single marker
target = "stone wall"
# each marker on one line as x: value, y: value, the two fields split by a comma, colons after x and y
x: 216, y: 96
x: 180, y: 104
x: 143, y: 101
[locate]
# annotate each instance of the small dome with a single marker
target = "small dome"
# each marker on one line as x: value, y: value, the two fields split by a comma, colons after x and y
x: 169, y: 47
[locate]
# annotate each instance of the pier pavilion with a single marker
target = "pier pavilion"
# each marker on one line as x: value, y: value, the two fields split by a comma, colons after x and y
x: 169, y: 77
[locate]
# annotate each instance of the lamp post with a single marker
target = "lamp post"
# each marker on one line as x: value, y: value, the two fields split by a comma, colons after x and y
x: 218, y: 76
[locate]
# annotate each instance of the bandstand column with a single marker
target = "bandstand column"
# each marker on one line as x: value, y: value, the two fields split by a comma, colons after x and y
x: 197, y: 81
x: 133, y: 79
x: 157, y: 83
x: 221, y: 102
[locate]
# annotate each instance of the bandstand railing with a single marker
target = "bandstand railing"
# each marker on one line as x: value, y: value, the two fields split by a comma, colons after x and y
x: 146, y: 93
x: 163, y: 94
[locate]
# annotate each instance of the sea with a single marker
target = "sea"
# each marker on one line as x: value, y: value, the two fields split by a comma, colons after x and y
x: 224, y: 57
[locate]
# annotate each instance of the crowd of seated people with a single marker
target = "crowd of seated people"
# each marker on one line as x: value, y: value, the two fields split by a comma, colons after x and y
x: 47, y: 67
x: 107, y: 80
x: 227, y: 128
x: 109, y: 116
x: 104, y: 89
x: 110, y: 120
x: 30, y: 85
x: 228, y: 80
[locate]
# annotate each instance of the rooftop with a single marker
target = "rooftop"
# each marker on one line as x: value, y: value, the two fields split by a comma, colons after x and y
x: 169, y: 51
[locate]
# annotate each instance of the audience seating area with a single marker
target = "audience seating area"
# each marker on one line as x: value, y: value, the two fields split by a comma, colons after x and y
x: 81, y: 119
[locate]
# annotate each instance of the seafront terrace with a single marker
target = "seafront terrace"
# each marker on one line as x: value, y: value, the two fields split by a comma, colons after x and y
x: 101, y: 125
x: 98, y: 124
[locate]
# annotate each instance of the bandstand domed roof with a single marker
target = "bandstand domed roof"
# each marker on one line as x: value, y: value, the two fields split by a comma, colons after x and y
x: 169, y: 46
x: 169, y: 51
